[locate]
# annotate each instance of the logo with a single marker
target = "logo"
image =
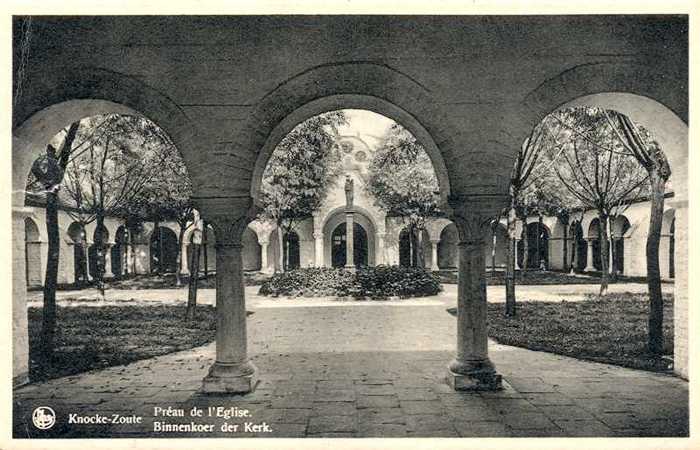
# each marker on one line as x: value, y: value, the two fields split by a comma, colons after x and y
x: 43, y: 417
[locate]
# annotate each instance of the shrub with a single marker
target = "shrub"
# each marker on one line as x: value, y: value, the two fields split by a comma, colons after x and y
x: 377, y: 282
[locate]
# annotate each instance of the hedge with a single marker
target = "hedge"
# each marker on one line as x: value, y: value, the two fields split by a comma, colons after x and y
x: 378, y: 282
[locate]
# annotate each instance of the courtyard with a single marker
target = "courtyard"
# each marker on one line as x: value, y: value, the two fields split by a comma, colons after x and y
x: 352, y: 369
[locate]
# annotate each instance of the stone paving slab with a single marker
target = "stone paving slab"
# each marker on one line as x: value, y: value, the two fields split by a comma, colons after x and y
x: 361, y: 371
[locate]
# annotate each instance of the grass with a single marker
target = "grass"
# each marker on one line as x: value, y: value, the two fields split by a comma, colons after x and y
x: 97, y: 337
x: 540, y: 277
x: 611, y: 329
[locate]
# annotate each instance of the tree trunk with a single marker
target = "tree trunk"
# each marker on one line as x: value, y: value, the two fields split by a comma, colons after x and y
x: 178, y: 259
x: 205, y: 243
x: 48, y: 325
x: 565, y: 250
x: 656, y: 301
x: 538, y: 252
x: 510, y: 265
x: 526, y: 245
x: 194, y: 277
x: 100, y: 251
x: 280, y: 247
x: 604, y: 249
x: 420, y: 257
x: 493, y: 249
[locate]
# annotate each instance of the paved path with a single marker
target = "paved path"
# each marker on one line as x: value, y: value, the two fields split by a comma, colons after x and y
x: 355, y: 370
x: 550, y: 293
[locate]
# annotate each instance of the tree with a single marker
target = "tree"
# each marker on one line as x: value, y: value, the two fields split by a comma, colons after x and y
x: 647, y: 152
x: 594, y: 169
x: 167, y: 196
x: 116, y: 165
x: 299, y: 174
x: 403, y: 182
x: 48, y: 171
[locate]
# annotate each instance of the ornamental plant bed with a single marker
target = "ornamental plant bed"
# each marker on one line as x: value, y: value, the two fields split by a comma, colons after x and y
x: 611, y: 329
x: 96, y: 337
x: 378, y: 283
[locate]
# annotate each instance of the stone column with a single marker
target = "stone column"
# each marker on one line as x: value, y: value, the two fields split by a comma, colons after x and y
x: 349, y: 240
x: 589, y: 256
x: 232, y: 372
x: 263, y: 255
x: 434, y: 260
x: 318, y: 248
x: 471, y: 369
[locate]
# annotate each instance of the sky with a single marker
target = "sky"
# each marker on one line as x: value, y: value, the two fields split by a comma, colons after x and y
x: 368, y: 124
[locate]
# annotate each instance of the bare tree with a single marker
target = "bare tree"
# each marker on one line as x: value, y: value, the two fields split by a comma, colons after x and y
x: 648, y: 153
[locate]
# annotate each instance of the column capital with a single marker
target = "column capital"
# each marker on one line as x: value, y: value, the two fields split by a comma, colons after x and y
x: 473, y: 214
x: 318, y: 235
x: 229, y: 216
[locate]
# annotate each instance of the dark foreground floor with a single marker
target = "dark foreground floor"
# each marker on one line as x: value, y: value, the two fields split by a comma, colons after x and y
x: 365, y: 370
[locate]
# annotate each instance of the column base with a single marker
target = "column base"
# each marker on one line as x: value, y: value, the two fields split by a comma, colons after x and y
x: 477, y: 376
x: 230, y: 379
x: 351, y: 268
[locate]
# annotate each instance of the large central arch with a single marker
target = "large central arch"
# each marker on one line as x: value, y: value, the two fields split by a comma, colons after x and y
x: 367, y: 86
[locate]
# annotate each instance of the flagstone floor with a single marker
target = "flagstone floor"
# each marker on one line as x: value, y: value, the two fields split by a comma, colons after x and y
x: 364, y: 370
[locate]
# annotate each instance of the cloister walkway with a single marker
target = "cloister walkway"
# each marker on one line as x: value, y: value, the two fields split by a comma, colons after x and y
x: 370, y: 369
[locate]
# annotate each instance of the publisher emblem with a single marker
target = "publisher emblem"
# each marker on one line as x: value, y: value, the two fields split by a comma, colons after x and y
x: 43, y: 417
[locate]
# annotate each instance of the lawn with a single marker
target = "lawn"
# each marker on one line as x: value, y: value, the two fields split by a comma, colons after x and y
x: 540, y: 277
x: 97, y: 337
x: 611, y: 329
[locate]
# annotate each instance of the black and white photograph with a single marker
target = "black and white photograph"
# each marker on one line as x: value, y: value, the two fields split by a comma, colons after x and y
x: 280, y: 225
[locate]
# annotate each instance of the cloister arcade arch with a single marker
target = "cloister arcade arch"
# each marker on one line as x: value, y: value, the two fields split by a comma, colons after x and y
x: 32, y: 240
x: 474, y: 121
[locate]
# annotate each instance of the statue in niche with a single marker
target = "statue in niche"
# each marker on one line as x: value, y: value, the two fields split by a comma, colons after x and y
x: 349, y: 188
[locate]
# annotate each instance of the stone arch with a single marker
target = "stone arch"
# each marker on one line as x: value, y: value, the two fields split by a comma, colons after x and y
x: 32, y: 245
x: 374, y: 87
x: 53, y: 100
x: 361, y: 217
x: 537, y: 236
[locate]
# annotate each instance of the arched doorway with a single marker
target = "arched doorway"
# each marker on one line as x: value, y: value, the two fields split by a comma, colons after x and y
x: 620, y: 226
x: 163, y: 246
x: 92, y: 252
x: 291, y: 250
x: 579, y: 247
x: 538, y: 245
x: 76, y: 232
x: 594, y: 239
x: 32, y: 243
x: 118, y: 252
x: 447, y: 247
x: 672, y: 250
x: 339, y: 245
